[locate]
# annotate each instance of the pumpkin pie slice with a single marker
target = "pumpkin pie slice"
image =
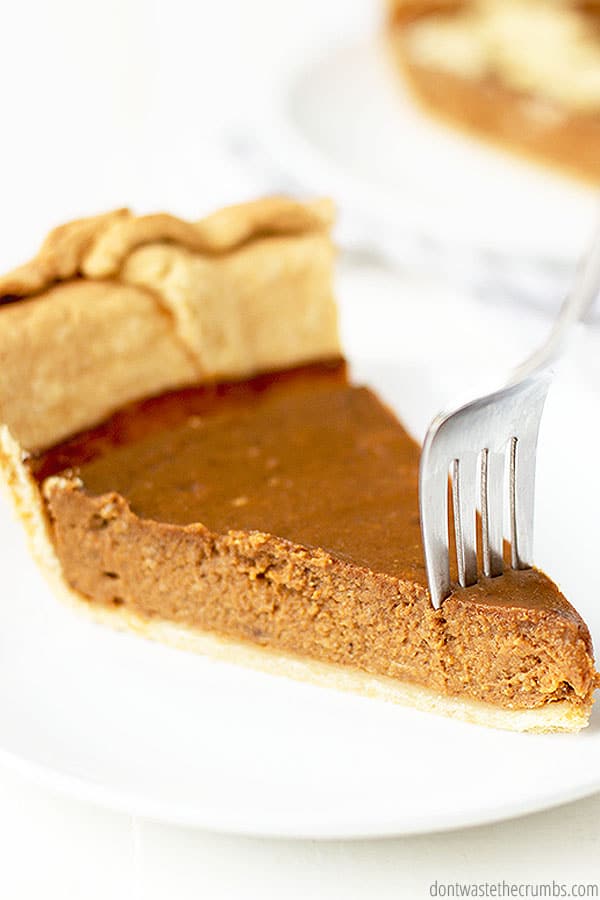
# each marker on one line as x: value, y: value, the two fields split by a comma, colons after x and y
x: 192, y: 461
x: 522, y: 73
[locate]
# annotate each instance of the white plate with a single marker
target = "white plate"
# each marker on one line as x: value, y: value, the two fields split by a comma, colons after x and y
x: 157, y: 732
x: 344, y: 125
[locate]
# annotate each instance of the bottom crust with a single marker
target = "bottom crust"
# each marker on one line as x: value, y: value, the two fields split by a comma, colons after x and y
x: 554, y: 717
x: 560, y: 716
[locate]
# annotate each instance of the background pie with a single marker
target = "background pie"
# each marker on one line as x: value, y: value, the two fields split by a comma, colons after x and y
x: 523, y: 73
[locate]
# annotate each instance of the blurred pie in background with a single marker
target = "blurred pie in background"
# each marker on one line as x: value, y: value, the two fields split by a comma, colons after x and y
x: 523, y: 73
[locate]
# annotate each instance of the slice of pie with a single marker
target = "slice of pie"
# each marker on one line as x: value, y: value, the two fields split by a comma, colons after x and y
x: 191, y: 461
x: 524, y: 73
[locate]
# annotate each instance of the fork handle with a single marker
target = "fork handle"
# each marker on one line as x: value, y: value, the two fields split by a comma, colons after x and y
x: 574, y: 308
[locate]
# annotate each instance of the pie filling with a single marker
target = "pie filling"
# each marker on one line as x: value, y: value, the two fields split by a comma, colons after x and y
x: 283, y: 511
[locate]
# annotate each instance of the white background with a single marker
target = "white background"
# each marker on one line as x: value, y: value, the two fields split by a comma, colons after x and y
x: 130, y: 102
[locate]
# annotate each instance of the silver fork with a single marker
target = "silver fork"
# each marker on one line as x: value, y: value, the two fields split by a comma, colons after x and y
x: 487, y: 449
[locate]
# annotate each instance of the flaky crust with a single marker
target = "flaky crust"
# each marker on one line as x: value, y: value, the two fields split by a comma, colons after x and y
x: 117, y: 307
x: 96, y: 247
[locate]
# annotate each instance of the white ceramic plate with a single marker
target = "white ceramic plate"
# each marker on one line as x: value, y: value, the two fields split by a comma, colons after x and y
x: 344, y: 125
x: 157, y: 732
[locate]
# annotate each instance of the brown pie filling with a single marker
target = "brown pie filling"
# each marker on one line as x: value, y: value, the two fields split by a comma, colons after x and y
x: 283, y: 511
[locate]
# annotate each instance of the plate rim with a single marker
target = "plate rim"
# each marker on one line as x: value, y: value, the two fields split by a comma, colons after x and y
x: 132, y: 802
x: 300, y: 158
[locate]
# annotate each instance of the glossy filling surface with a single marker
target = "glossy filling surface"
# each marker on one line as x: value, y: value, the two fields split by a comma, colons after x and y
x: 303, y: 455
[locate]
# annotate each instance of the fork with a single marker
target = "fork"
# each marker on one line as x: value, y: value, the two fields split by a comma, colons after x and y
x: 487, y: 449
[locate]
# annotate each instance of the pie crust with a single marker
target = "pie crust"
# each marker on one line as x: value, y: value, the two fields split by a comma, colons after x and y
x: 116, y: 309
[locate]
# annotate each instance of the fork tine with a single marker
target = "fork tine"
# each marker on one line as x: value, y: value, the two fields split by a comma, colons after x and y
x: 464, y: 497
x: 522, y: 498
x: 492, y: 493
x: 433, y: 500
